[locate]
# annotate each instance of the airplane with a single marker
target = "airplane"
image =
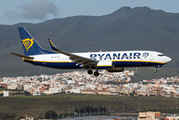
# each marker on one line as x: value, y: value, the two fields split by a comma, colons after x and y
x: 112, y: 61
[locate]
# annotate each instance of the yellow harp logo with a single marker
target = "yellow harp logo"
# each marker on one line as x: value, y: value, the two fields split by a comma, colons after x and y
x: 27, y: 43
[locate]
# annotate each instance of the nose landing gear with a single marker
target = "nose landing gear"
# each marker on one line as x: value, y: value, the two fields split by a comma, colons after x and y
x: 157, y: 66
x: 155, y: 70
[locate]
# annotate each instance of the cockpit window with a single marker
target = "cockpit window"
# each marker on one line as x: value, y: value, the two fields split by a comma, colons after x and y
x: 160, y: 55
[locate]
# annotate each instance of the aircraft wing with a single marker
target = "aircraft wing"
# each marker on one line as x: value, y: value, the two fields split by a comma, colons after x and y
x: 22, y: 56
x: 79, y: 59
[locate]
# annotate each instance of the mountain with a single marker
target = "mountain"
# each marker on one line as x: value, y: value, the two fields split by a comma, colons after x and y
x: 139, y: 28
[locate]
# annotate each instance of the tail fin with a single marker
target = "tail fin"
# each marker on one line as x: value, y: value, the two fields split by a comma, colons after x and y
x: 29, y: 44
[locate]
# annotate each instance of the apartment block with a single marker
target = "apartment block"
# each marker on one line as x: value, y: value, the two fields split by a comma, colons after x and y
x: 149, y: 116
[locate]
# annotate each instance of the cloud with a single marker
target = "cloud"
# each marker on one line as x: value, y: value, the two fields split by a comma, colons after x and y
x: 37, y: 9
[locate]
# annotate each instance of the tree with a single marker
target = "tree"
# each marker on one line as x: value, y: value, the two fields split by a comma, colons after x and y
x: 50, y: 114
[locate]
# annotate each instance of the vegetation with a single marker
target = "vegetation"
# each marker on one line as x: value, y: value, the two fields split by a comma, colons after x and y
x: 1, y: 89
x: 37, y: 106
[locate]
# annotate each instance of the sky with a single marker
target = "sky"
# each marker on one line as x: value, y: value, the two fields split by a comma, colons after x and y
x: 37, y: 11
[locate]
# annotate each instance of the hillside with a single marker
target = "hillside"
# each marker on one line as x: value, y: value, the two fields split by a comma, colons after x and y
x: 140, y: 28
x: 14, y: 107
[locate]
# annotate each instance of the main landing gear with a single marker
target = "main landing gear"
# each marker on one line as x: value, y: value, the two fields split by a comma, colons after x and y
x: 96, y: 73
x: 90, y: 72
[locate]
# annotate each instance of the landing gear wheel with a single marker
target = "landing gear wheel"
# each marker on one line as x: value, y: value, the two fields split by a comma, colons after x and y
x: 155, y: 71
x: 90, y: 72
x: 96, y: 73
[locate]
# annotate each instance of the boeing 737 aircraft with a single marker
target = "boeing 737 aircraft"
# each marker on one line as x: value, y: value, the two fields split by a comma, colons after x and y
x: 113, y: 61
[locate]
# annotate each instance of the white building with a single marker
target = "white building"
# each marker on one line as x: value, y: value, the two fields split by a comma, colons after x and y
x: 77, y: 90
x: 174, y: 117
x: 14, y: 86
x: 53, y: 90
x: 27, y: 86
x: 7, y: 93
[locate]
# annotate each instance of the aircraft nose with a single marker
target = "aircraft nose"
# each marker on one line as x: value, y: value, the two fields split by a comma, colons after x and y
x: 168, y: 59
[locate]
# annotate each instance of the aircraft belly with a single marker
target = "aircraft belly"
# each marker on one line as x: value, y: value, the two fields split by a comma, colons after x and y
x: 65, y: 65
x: 134, y: 64
x: 72, y: 65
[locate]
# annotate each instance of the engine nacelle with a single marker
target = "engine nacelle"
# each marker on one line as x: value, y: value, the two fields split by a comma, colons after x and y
x: 108, y: 65
x: 115, y: 69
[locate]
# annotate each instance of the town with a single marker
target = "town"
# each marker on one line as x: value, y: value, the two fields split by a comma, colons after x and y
x: 80, y: 82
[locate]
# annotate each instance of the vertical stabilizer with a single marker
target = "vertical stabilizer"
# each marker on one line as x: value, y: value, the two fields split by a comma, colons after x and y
x: 29, y: 44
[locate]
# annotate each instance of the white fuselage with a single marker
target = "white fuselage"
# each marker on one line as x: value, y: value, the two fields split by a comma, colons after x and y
x: 117, y: 58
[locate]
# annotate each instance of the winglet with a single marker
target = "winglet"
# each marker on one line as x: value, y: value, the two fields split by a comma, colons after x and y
x: 52, y: 45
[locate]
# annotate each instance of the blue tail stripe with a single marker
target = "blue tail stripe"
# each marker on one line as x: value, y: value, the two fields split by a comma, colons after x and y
x: 30, y: 46
x: 23, y: 33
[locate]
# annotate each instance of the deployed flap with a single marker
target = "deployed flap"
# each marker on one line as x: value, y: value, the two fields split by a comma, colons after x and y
x: 73, y: 57
x: 22, y: 56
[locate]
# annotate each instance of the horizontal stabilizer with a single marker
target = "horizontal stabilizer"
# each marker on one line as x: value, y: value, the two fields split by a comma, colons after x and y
x: 22, y: 56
